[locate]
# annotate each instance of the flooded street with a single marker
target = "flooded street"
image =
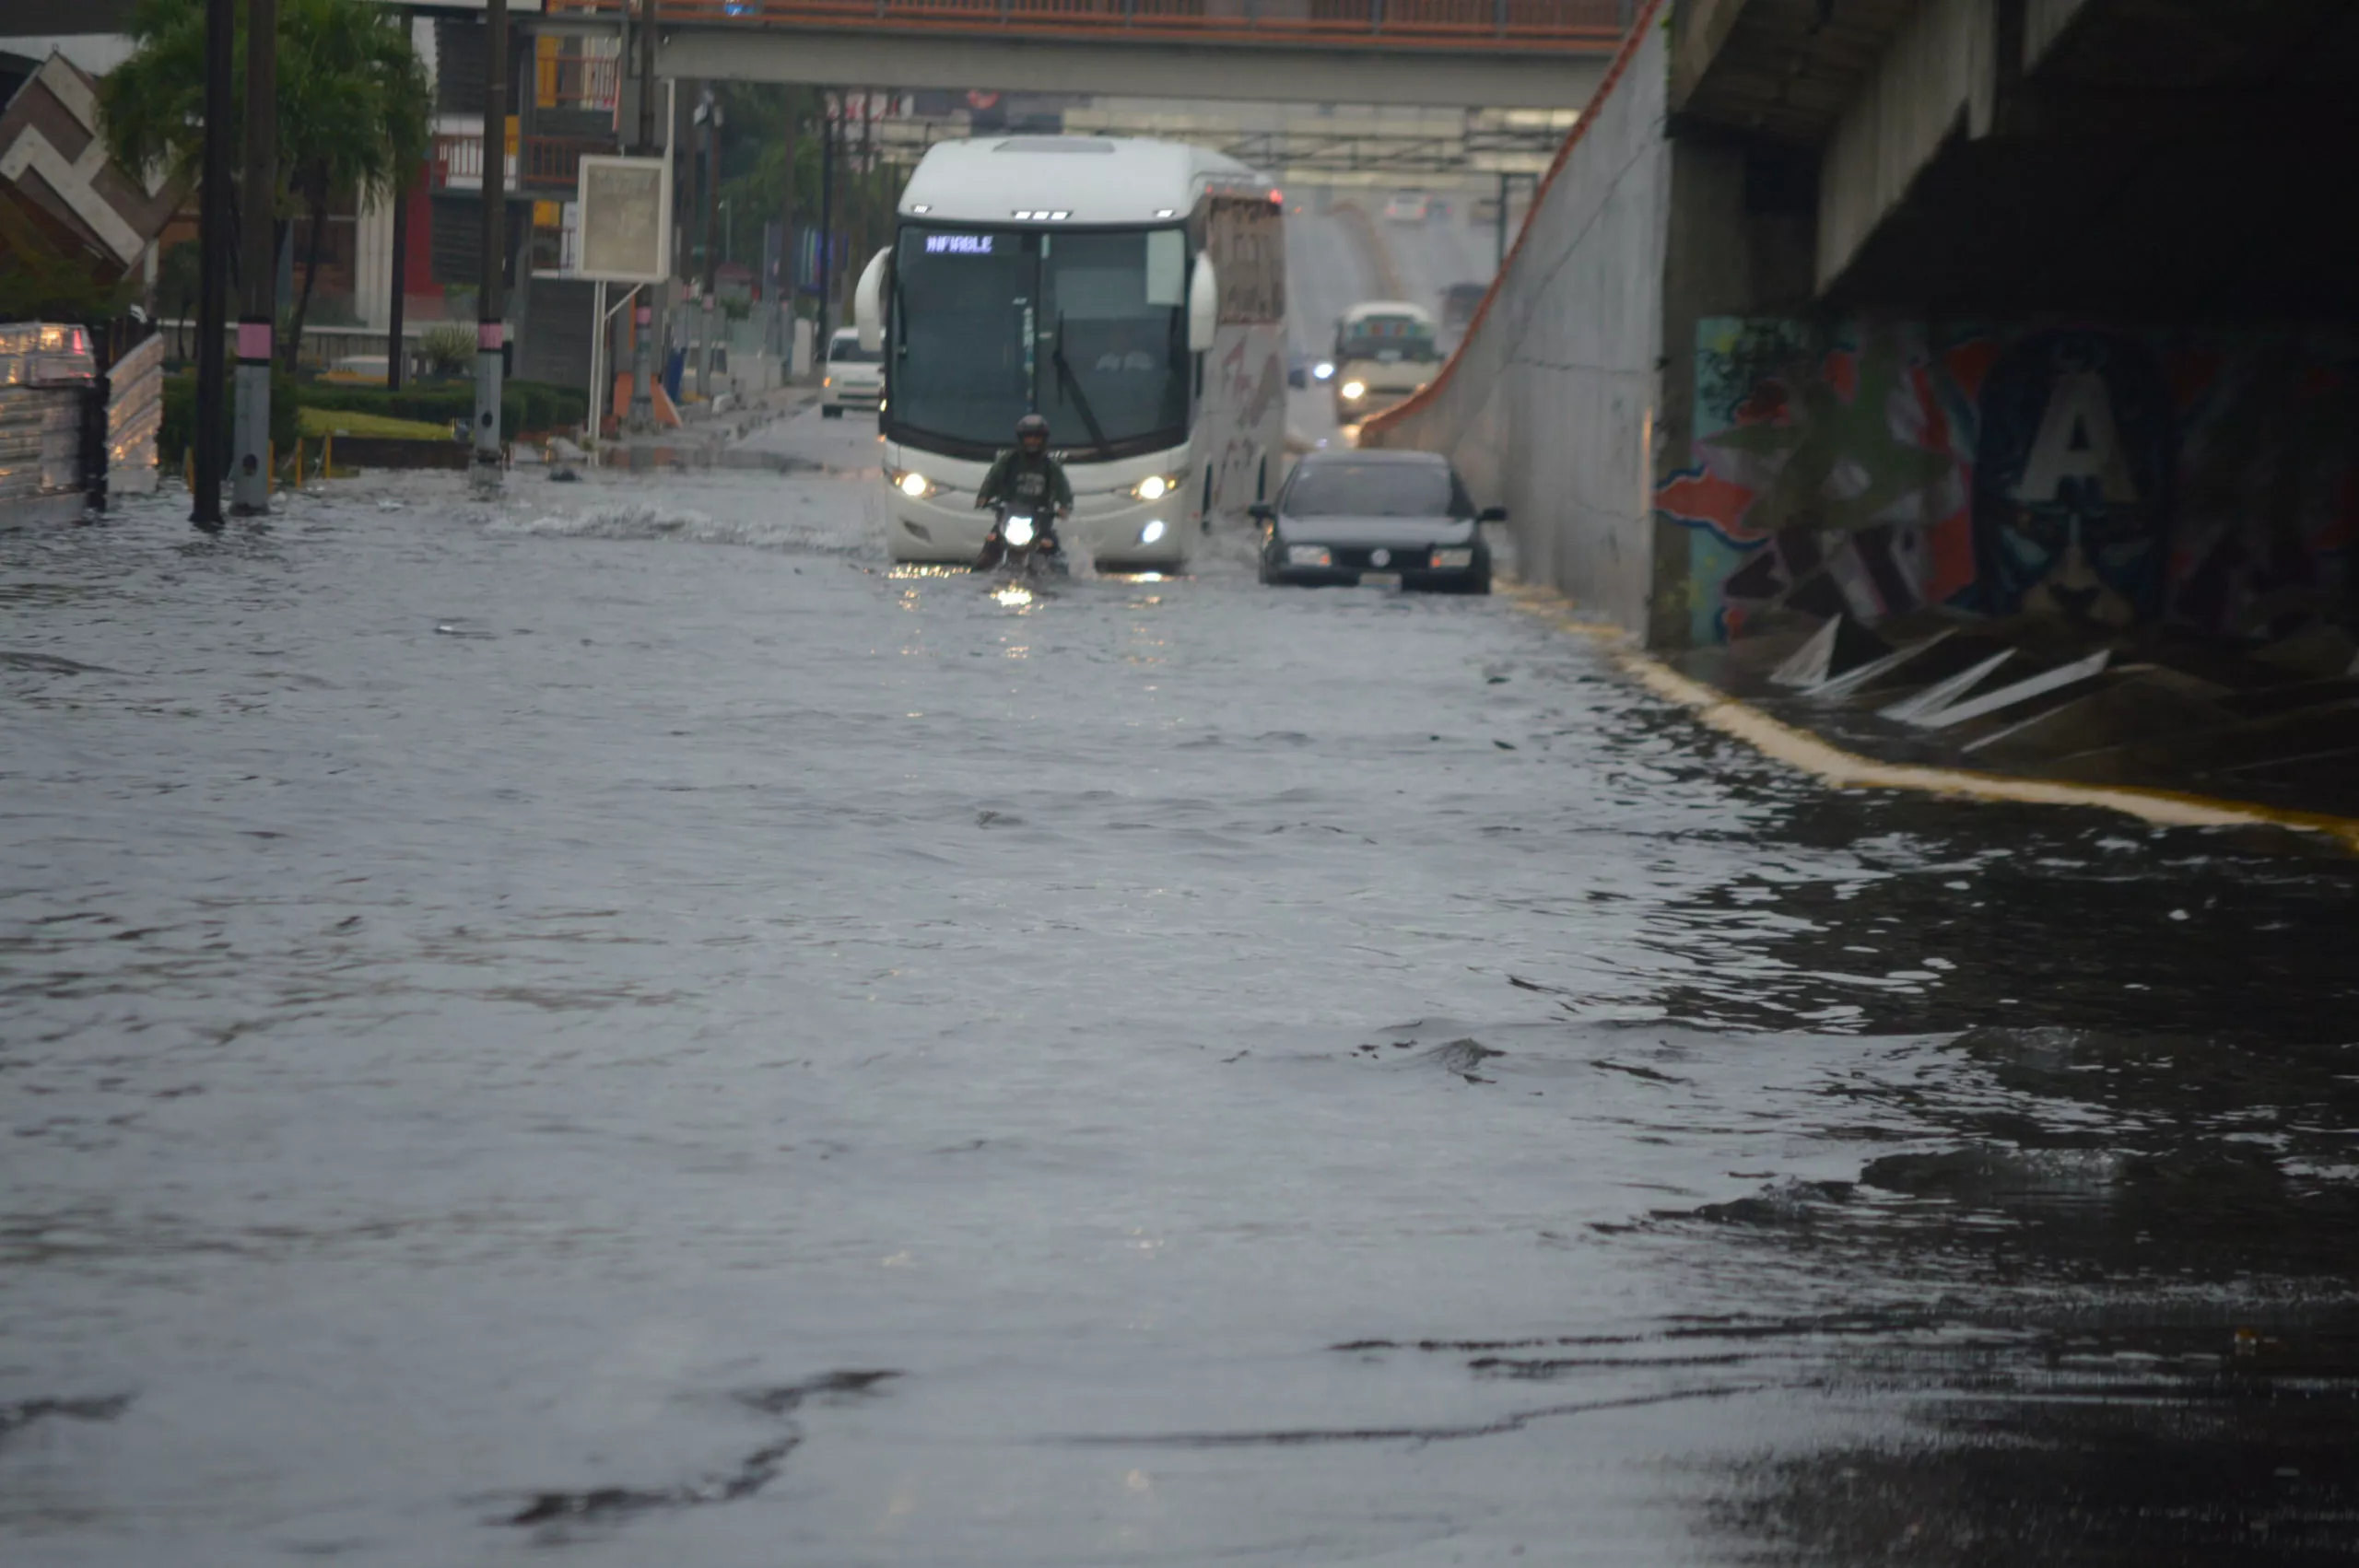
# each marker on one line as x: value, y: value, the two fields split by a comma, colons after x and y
x: 620, y: 1028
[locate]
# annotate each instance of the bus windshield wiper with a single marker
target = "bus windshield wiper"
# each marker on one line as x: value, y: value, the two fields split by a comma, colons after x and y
x: 1071, y: 383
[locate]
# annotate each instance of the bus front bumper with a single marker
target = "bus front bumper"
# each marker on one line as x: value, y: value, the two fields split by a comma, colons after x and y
x: 1132, y: 536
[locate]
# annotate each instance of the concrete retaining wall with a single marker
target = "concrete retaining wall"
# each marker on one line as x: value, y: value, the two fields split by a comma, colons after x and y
x: 1548, y: 407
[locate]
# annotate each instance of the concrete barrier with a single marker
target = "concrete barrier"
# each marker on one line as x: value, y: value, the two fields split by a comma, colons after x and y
x: 1549, y: 406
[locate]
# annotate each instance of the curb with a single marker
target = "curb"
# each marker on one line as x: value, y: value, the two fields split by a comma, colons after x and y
x: 1832, y: 766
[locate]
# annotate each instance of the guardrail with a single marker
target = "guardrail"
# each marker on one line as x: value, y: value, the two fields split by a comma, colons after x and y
x: 1572, y: 27
x: 538, y: 163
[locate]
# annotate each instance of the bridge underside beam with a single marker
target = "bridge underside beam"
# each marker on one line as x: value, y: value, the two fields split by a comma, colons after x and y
x: 1262, y: 74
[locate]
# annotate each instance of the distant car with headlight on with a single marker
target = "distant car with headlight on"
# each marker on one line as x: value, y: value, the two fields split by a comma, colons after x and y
x: 1384, y: 353
x: 1376, y: 519
x: 854, y: 378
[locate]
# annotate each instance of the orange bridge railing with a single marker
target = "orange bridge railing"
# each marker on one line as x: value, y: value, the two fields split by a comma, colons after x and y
x: 1570, y: 27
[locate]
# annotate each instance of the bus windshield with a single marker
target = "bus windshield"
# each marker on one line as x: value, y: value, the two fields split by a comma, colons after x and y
x: 1385, y: 338
x: 1088, y: 328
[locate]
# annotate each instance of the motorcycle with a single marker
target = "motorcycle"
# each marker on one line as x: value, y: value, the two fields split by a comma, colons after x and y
x: 1021, y: 545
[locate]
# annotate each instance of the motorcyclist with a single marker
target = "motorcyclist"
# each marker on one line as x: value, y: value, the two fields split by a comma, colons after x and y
x: 1026, y: 479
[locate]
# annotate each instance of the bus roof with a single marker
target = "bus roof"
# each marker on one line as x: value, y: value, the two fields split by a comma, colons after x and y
x: 1088, y: 179
x: 1366, y: 308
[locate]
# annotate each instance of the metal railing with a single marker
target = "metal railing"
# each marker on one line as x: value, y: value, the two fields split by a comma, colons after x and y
x: 540, y: 163
x: 1585, y: 26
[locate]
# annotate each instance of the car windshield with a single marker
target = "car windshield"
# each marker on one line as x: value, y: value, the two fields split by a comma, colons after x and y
x: 1089, y: 329
x: 847, y: 351
x: 1387, y: 338
x: 1374, y: 489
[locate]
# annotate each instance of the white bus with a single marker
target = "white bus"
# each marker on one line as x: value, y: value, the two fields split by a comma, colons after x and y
x: 1132, y: 292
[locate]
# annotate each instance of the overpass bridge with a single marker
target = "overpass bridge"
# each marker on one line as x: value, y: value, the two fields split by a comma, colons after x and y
x: 1520, y: 53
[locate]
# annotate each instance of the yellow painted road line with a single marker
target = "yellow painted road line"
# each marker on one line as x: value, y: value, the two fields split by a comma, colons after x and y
x: 1833, y: 765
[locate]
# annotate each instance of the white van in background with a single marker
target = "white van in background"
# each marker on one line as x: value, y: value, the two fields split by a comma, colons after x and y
x: 854, y: 376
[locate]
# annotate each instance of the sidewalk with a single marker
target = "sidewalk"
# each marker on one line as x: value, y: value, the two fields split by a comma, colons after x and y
x: 2274, y: 728
x: 705, y: 438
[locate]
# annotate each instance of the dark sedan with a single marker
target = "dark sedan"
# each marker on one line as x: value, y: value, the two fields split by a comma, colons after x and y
x: 1394, y: 518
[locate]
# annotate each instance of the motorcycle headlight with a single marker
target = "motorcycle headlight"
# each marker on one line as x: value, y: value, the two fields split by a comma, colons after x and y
x: 1018, y: 531
x: 1322, y: 371
x: 1355, y: 391
x: 913, y: 485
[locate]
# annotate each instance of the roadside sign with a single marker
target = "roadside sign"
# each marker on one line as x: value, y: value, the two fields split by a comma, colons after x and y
x: 624, y: 219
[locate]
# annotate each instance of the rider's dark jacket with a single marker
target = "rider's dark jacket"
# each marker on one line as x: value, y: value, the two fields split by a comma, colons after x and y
x: 1020, y: 479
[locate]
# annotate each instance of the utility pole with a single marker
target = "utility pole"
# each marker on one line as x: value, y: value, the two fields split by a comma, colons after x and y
x: 213, y: 273
x: 250, y: 481
x: 485, y: 469
x: 394, y: 352
x: 709, y: 110
x: 827, y: 223
x: 641, y: 415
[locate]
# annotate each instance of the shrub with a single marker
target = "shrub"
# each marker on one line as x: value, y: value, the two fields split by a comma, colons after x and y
x: 525, y: 406
x: 447, y: 350
x: 179, y: 416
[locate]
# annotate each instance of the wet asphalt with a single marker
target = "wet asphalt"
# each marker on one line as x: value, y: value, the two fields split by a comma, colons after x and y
x: 619, y: 1027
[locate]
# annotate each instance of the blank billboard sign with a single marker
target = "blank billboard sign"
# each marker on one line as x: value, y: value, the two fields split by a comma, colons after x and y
x: 624, y: 235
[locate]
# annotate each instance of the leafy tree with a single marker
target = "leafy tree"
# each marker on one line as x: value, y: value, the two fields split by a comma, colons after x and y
x: 354, y: 108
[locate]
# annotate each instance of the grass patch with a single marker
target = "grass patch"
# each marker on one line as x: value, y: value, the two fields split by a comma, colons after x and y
x: 345, y: 422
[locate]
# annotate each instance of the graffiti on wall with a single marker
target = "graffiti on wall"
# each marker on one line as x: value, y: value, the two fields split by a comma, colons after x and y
x: 2106, y: 478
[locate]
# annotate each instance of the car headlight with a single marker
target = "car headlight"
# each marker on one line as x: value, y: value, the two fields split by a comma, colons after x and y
x: 1322, y: 371
x: 1154, y: 487
x: 1018, y: 531
x: 1152, y: 531
x: 1452, y: 560
x: 1308, y: 555
x: 913, y: 485
x: 1355, y: 391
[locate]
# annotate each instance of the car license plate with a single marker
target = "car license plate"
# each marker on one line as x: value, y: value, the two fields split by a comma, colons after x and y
x: 1380, y: 579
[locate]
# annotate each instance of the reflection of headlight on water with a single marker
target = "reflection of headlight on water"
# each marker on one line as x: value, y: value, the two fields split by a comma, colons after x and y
x: 1355, y: 391
x: 1151, y: 533
x: 1019, y: 531
x: 1013, y: 594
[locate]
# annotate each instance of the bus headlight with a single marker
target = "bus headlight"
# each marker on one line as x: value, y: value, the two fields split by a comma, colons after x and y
x: 1151, y: 533
x: 913, y: 485
x: 1154, y: 487
x: 1355, y: 391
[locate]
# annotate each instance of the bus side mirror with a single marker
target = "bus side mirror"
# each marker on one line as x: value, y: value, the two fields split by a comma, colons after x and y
x: 1203, y: 306
x: 1492, y: 514
x: 868, y: 303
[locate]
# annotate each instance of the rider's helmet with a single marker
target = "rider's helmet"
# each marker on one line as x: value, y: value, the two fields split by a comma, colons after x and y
x: 1032, y: 434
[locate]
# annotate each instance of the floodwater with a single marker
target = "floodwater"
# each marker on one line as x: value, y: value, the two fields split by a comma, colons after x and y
x: 616, y: 1028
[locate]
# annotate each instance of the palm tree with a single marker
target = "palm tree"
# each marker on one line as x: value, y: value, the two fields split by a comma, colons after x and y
x: 354, y: 108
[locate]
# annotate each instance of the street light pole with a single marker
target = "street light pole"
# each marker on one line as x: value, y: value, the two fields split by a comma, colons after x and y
x: 486, y: 468
x: 250, y: 482
x: 395, y: 353
x: 826, y: 223
x: 214, y: 241
x: 640, y: 416
x: 708, y: 112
